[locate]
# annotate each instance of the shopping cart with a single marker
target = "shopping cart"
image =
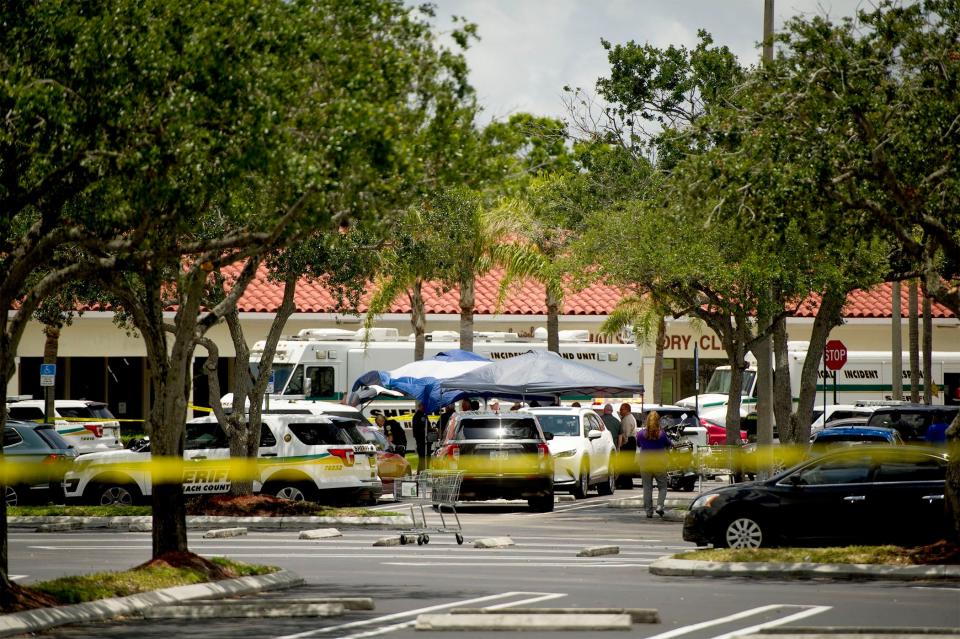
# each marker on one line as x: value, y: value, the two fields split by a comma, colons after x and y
x: 435, y: 490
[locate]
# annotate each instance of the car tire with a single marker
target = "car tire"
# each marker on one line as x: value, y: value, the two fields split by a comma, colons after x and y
x: 116, y: 495
x: 541, y: 504
x: 689, y: 483
x: 291, y: 491
x: 11, y: 496
x: 608, y: 486
x: 583, y: 482
x: 744, y: 531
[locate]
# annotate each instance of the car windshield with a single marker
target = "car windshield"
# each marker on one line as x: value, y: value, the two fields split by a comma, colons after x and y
x: 281, y: 373
x: 520, y: 428
x: 560, y: 424
x: 316, y: 434
x: 720, y: 382
x: 851, y: 437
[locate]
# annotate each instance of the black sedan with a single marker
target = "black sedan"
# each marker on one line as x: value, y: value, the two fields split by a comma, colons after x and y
x: 862, y: 495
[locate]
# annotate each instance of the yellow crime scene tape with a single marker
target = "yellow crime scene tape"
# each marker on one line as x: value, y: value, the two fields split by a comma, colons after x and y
x: 173, y: 469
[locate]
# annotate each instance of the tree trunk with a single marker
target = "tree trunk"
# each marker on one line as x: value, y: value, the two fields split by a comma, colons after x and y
x: 658, y: 362
x: 51, y: 346
x: 467, y: 302
x: 914, y: 331
x: 8, y: 368
x: 927, y: 350
x: 897, y: 343
x: 418, y: 319
x: 782, y: 382
x: 828, y: 316
x: 761, y: 350
x: 553, y: 321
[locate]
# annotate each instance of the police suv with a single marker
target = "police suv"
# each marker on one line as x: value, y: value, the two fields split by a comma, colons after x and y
x: 301, y: 457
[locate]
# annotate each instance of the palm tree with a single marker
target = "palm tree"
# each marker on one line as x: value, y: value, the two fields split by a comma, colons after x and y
x: 645, y: 318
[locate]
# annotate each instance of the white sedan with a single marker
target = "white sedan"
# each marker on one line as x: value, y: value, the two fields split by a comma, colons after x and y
x: 582, y: 449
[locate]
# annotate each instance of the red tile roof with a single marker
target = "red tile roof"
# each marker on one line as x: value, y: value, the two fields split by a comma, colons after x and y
x: 527, y: 298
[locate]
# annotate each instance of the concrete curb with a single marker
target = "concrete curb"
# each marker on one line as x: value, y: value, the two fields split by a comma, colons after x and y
x: 670, y: 567
x: 43, y: 618
x: 599, y: 551
x: 200, y: 522
x: 493, y: 542
x: 637, y: 615
x: 221, y: 533
x: 507, y: 621
x: 248, y: 611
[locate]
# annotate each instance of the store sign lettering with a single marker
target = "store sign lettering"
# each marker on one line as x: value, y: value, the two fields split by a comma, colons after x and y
x: 686, y: 342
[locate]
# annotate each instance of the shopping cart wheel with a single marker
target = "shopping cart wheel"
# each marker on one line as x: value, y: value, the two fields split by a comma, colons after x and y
x: 459, y: 539
x: 426, y: 539
x: 403, y: 540
x: 420, y: 540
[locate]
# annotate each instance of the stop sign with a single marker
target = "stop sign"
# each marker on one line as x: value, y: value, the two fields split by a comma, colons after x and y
x: 835, y: 357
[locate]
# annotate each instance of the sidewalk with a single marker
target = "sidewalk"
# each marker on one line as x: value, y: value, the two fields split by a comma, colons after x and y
x: 198, y: 522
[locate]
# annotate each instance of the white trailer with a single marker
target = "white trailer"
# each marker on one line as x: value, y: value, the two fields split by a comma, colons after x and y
x: 867, y: 376
x: 322, y: 364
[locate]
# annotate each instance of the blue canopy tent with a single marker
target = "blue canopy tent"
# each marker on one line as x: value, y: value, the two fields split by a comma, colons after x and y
x: 419, y: 380
x: 539, y: 375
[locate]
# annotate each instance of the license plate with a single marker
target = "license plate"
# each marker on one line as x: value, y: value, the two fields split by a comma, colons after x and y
x: 498, y: 454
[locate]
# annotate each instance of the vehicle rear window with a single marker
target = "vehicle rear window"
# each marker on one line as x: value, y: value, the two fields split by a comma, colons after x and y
x: 670, y: 419
x: 205, y: 435
x: 910, y: 425
x: 52, y: 438
x: 560, y: 424
x: 851, y: 437
x: 26, y: 413
x: 11, y: 437
x: 336, y: 434
x: 95, y: 411
x: 499, y: 429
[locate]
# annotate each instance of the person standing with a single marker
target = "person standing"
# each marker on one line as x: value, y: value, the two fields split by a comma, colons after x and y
x: 419, y: 427
x: 628, y: 446
x: 612, y: 424
x: 653, y: 445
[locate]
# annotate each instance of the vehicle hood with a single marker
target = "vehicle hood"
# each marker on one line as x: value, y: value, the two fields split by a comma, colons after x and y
x: 563, y: 443
x: 705, y: 401
x: 112, y: 457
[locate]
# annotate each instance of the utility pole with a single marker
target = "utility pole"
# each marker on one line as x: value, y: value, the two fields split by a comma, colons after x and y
x: 897, y: 343
x: 764, y: 349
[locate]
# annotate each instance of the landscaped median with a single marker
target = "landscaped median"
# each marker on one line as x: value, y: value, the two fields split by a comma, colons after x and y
x: 174, y: 578
x: 937, y: 562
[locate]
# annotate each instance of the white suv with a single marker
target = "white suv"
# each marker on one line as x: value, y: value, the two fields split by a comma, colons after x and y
x: 88, y: 426
x: 582, y: 448
x: 302, y: 457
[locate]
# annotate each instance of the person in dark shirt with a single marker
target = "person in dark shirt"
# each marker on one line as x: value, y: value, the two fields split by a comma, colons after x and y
x: 419, y: 425
x: 397, y: 437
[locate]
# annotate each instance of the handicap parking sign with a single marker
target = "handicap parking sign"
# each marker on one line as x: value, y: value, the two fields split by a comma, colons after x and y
x: 48, y: 374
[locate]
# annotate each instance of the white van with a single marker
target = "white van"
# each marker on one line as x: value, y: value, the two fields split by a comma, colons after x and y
x: 87, y: 426
x: 301, y: 457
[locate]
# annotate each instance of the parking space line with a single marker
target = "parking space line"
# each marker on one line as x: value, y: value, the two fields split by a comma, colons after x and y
x: 507, y: 564
x: 408, y: 624
x: 803, y: 614
x: 537, y: 596
x: 722, y: 620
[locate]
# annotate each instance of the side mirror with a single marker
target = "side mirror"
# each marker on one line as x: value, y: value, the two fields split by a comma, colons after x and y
x: 594, y: 434
x: 796, y: 480
x: 547, y: 435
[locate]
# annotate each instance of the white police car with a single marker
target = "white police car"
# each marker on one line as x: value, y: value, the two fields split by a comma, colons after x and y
x: 86, y: 425
x: 301, y: 457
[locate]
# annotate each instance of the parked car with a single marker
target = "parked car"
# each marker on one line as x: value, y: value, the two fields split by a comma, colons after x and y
x: 390, y: 465
x: 717, y: 434
x: 503, y: 456
x: 852, y: 435
x: 679, y: 419
x: 848, y: 421
x: 860, y: 495
x: 911, y: 420
x: 302, y: 457
x: 582, y: 448
x: 88, y: 426
x: 37, y: 458
x: 825, y: 417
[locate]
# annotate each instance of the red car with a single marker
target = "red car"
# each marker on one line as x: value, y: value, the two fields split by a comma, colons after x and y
x: 390, y: 465
x: 717, y: 434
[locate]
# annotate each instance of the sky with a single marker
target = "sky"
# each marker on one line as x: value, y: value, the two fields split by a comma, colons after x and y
x: 530, y: 49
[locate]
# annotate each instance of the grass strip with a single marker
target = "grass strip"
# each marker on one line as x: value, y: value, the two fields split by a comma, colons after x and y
x: 891, y: 555
x: 102, y: 585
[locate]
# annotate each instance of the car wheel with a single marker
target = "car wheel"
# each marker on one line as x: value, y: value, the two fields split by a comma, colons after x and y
x: 541, y: 504
x: 609, y: 486
x: 744, y: 532
x: 11, y: 496
x: 689, y: 483
x: 117, y: 495
x: 583, y: 483
x: 291, y: 492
